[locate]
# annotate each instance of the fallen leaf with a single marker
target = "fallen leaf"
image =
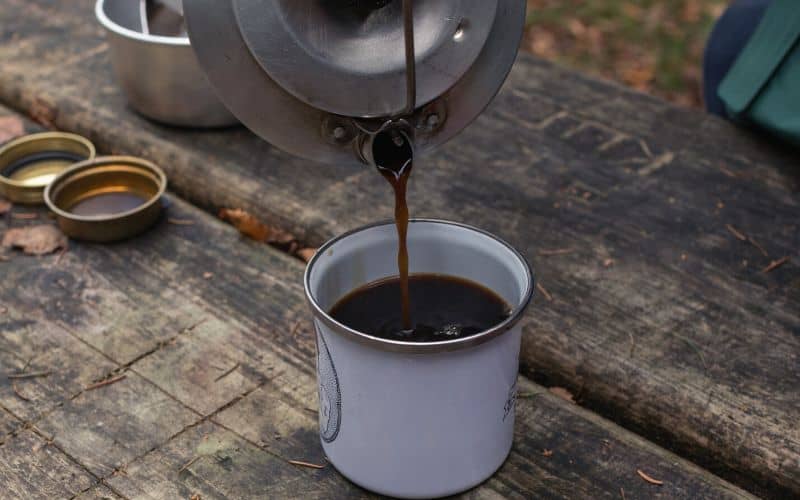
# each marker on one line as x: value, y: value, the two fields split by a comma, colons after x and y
x: 35, y: 240
x: 43, y: 112
x: 547, y: 453
x: 648, y: 478
x: 608, y: 262
x: 196, y: 496
x: 207, y: 275
x: 245, y: 223
x: 562, y: 393
x: 10, y: 127
x: 251, y: 227
x: 5, y: 206
x: 306, y: 253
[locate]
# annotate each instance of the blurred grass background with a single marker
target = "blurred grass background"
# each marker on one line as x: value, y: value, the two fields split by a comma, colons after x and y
x: 655, y: 46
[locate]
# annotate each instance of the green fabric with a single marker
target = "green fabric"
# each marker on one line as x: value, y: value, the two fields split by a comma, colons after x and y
x: 763, y: 86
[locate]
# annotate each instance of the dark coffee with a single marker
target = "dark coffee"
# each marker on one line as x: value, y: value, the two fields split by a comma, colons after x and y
x: 441, y: 308
x: 107, y: 203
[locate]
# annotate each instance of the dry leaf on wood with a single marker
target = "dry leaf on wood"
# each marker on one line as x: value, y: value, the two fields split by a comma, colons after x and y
x: 35, y: 240
x: 245, y: 223
x: 5, y: 206
x: 43, y: 112
x: 306, y: 253
x: 10, y: 127
x: 251, y: 227
x: 562, y: 393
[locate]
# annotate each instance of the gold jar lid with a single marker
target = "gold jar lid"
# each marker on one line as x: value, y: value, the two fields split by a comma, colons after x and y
x: 108, y: 198
x: 28, y: 164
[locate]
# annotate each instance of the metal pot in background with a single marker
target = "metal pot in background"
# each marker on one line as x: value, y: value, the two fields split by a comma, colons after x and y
x: 159, y: 74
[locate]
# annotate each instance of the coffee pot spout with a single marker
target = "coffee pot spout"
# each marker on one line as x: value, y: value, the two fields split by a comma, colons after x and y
x: 392, y: 152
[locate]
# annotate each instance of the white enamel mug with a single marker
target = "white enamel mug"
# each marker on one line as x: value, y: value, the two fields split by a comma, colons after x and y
x: 417, y: 420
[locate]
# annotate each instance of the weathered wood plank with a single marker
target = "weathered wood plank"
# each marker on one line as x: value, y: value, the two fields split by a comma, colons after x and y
x: 99, y: 492
x: 670, y: 338
x: 138, y: 432
x: 214, y: 463
x: 31, y: 346
x: 8, y: 424
x: 596, y: 460
x: 31, y: 468
x: 107, y: 427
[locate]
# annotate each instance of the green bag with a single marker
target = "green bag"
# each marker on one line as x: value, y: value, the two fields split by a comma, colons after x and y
x: 763, y: 86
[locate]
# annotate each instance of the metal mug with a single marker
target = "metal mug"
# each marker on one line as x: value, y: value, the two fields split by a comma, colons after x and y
x: 417, y: 420
x: 160, y: 75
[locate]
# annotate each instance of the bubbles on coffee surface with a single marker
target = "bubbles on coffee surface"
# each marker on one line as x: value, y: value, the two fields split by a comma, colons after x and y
x: 442, y: 308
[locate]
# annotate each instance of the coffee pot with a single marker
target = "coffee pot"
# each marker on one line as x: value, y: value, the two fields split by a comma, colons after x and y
x: 322, y: 79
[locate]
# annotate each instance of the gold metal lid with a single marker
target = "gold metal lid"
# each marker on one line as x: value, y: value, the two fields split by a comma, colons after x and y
x: 28, y: 164
x: 108, y: 198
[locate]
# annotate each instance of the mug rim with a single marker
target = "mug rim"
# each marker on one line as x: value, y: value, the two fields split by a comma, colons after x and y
x: 116, y: 28
x: 403, y: 346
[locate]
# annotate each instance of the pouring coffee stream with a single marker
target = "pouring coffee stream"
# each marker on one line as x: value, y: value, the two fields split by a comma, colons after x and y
x: 393, y: 156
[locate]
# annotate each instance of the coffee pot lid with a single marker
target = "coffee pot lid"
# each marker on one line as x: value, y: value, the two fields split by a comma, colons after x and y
x: 314, y: 77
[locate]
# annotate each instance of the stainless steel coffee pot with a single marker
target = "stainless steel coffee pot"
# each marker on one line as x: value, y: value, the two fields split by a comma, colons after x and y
x: 322, y: 78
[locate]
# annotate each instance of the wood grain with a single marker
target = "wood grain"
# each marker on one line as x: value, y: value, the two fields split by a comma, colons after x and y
x: 682, y: 339
x: 32, y: 468
x: 98, y: 492
x: 173, y: 428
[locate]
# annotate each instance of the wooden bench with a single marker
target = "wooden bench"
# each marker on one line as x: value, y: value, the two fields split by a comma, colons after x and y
x: 211, y: 334
x: 653, y: 310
